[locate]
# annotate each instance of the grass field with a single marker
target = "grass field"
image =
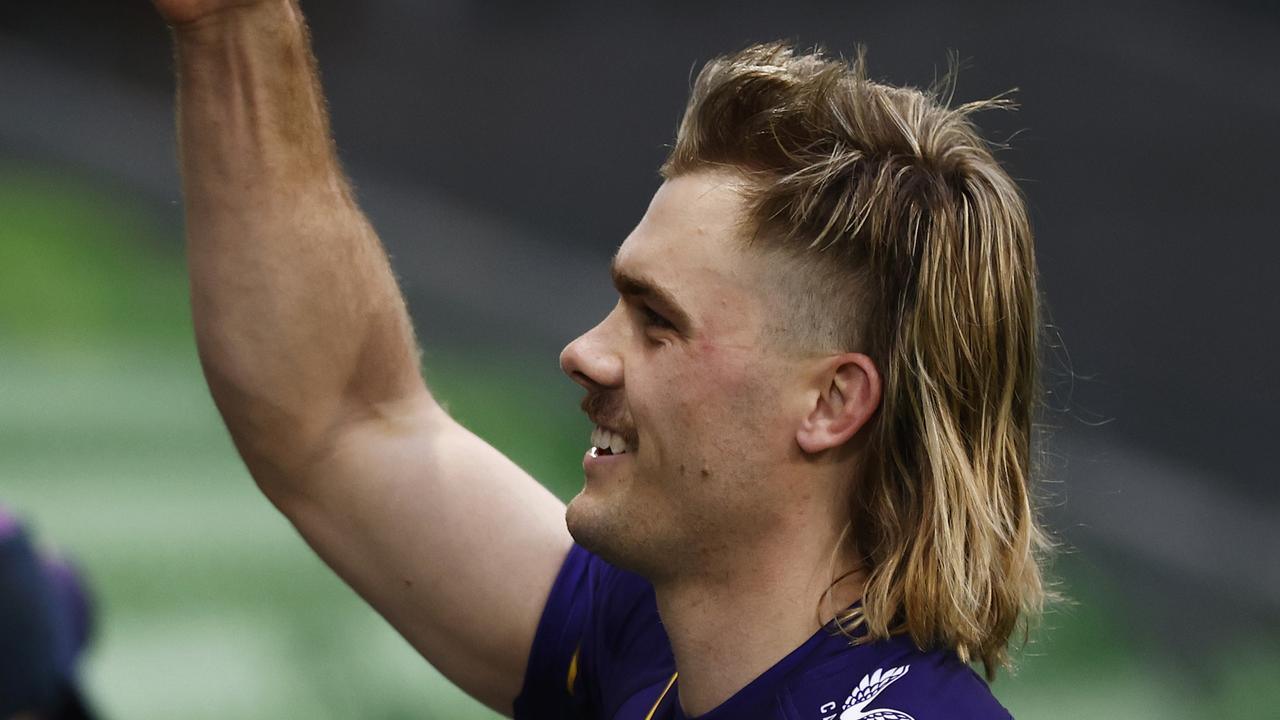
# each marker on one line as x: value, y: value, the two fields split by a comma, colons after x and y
x: 210, y: 606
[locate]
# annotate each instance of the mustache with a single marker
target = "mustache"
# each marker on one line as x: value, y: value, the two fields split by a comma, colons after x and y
x: 607, y: 408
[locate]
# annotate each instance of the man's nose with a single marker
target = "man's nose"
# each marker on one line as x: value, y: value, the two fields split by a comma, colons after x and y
x: 592, y: 360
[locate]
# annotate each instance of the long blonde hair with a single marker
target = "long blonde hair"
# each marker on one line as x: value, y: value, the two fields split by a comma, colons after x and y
x: 914, y: 246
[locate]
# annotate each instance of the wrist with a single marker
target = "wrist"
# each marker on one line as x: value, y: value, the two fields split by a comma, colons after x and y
x: 213, y: 25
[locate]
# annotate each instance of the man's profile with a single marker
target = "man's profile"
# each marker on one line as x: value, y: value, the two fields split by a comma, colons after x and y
x: 807, y: 494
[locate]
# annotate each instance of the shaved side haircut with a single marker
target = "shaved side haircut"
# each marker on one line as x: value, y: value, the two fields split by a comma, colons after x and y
x: 898, y: 234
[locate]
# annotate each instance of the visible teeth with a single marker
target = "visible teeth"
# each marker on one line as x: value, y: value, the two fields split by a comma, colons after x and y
x: 607, y: 439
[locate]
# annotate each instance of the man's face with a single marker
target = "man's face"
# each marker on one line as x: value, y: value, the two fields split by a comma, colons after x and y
x: 681, y: 372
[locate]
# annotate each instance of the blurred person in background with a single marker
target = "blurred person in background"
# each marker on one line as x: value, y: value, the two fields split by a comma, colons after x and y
x: 44, y: 628
x: 808, y: 490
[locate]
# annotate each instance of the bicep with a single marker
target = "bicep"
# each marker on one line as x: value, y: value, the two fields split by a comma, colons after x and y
x: 447, y: 538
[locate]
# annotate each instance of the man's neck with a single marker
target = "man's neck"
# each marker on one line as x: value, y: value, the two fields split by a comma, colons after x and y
x: 728, y: 629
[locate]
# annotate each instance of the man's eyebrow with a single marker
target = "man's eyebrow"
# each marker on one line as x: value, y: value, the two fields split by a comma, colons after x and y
x: 629, y: 285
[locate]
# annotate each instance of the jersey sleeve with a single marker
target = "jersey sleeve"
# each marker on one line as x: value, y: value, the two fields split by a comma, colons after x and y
x: 550, y: 676
x: 599, y: 639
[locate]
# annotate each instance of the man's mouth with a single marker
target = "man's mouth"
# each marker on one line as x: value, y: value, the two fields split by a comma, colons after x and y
x: 607, y: 442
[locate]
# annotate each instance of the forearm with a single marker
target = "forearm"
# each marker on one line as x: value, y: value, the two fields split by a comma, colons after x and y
x: 298, y: 317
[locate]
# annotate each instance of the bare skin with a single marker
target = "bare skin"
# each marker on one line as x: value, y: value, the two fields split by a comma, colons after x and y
x: 733, y: 495
x: 310, y: 357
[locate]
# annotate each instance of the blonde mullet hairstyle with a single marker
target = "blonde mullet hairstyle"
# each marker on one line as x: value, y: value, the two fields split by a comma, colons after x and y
x: 903, y: 227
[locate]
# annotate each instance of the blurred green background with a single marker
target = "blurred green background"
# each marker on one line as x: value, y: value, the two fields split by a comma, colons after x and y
x: 210, y: 606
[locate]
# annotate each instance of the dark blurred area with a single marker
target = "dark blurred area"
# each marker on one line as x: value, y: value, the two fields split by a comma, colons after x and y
x: 504, y: 149
x: 45, y: 620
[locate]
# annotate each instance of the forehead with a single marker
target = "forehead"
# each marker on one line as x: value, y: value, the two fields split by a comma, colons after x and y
x: 689, y: 242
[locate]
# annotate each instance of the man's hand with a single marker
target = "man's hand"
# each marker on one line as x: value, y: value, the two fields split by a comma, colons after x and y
x: 184, y: 12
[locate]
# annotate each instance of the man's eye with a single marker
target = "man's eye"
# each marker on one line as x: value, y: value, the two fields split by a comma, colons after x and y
x: 653, y: 319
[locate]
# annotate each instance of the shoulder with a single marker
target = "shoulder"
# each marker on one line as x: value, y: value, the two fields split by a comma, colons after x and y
x: 599, y: 642
x: 622, y: 603
x: 624, y: 645
x: 892, y: 680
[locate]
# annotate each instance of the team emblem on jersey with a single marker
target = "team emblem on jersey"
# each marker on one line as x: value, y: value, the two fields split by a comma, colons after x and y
x: 867, y: 690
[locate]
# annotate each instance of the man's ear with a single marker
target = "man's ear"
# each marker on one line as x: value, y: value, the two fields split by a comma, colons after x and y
x: 848, y: 394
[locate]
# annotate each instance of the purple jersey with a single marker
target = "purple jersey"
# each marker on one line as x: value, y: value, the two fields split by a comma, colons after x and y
x: 600, y: 653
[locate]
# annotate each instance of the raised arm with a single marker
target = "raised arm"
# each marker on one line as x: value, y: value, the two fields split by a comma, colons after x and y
x: 311, y: 359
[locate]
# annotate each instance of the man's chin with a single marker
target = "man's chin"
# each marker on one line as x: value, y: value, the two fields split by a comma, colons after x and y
x: 594, y: 524
x: 606, y: 530
x: 585, y: 518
